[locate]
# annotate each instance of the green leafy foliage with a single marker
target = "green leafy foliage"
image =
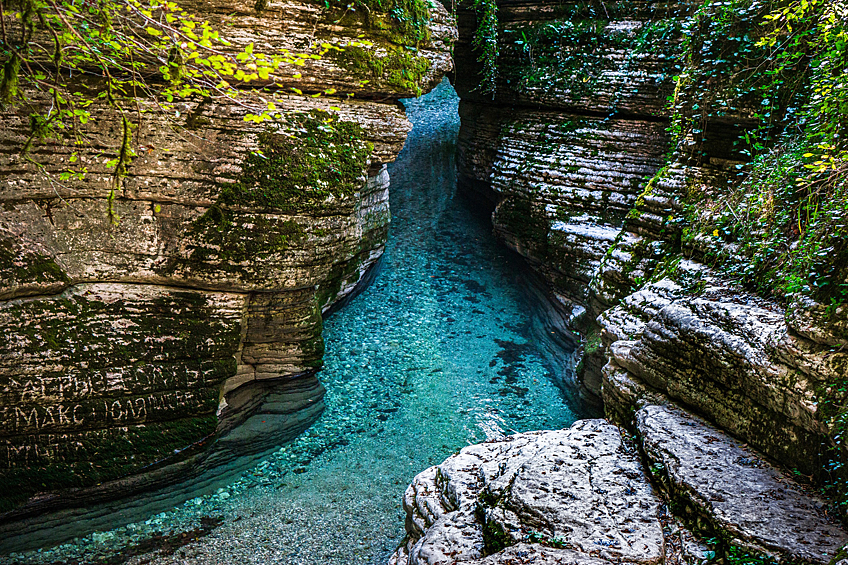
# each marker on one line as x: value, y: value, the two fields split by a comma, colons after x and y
x: 782, y: 227
x: 833, y: 406
x: 731, y: 72
x: 778, y: 72
x: 74, y: 53
x: 485, y: 42
x: 731, y: 554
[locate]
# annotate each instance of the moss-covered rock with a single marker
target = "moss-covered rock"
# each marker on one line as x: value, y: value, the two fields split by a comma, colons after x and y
x: 397, y: 68
x: 302, y: 162
x: 25, y: 270
x: 82, y: 404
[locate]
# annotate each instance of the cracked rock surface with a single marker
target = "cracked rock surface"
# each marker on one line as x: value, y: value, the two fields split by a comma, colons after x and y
x: 723, y: 481
x: 578, y: 495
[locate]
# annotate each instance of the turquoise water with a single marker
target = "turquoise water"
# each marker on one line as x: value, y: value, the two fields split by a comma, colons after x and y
x: 439, y: 352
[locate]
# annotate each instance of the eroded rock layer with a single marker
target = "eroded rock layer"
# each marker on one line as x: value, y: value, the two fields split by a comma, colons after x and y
x: 563, y: 183
x: 141, y: 325
x: 730, y: 486
x: 624, y: 186
x: 588, y: 187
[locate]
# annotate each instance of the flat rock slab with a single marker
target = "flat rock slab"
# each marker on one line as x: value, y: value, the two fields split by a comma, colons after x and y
x: 737, y: 491
x: 578, y: 495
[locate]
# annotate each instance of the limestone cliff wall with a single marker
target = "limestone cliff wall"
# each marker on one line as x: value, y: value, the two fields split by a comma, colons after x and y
x: 573, y: 149
x: 132, y: 345
x: 585, y: 89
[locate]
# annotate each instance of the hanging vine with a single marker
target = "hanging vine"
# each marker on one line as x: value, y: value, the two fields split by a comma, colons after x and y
x: 485, y: 42
x: 58, y: 57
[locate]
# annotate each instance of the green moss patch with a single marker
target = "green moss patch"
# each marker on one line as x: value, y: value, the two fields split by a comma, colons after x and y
x: 403, y: 22
x: 495, y: 538
x: 399, y: 69
x: 225, y: 236
x: 312, y: 162
x: 109, y: 404
x: 20, y: 267
x: 312, y: 157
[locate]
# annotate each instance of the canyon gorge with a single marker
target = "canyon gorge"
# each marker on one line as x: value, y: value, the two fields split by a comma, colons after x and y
x: 660, y: 351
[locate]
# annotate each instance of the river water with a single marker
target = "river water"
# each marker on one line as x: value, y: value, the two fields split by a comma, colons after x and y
x: 439, y: 352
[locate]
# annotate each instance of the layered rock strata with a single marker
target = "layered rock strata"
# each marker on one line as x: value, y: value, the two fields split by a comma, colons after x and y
x: 728, y: 355
x: 573, y: 150
x: 586, y: 91
x: 136, y: 333
x: 582, y: 496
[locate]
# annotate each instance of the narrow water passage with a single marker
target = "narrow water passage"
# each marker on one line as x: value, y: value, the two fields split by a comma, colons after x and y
x: 438, y: 353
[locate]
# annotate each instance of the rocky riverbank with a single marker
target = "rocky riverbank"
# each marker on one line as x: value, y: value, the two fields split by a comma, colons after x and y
x: 593, y: 494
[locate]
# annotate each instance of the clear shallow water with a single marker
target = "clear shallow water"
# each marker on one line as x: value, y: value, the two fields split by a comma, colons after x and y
x: 441, y: 351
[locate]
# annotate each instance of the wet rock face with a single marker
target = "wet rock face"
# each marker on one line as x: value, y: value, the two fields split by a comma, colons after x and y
x: 574, y: 495
x: 132, y: 340
x: 110, y: 354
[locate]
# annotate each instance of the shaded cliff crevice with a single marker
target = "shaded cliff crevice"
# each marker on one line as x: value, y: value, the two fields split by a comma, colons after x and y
x: 632, y: 164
